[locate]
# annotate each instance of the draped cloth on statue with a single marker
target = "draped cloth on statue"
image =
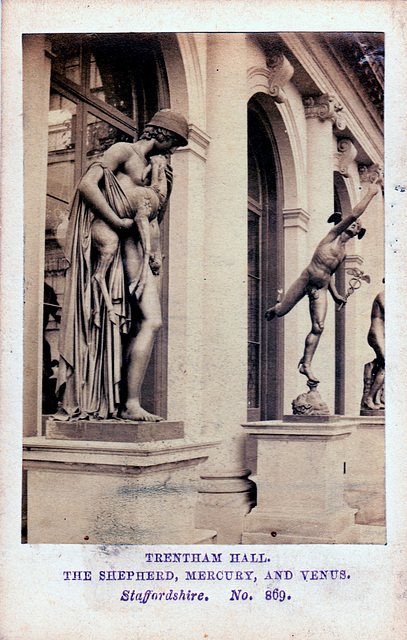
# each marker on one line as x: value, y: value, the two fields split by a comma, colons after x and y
x: 91, y: 347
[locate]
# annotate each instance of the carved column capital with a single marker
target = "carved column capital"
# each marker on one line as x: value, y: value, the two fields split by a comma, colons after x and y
x: 280, y: 72
x: 325, y: 107
x: 344, y: 156
x: 370, y: 173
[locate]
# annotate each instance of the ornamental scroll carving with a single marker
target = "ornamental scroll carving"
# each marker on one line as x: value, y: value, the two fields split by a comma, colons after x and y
x: 344, y: 156
x: 325, y: 107
x: 370, y: 173
x: 280, y: 72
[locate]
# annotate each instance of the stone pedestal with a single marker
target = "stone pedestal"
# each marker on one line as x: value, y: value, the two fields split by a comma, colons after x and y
x: 113, y: 430
x: 142, y: 491
x: 300, y: 482
x: 365, y: 477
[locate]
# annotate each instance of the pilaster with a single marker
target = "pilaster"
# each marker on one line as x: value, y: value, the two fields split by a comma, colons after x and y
x: 36, y: 84
x: 186, y: 273
x: 224, y: 372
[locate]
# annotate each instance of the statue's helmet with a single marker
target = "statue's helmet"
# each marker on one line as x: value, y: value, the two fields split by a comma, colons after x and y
x: 172, y: 121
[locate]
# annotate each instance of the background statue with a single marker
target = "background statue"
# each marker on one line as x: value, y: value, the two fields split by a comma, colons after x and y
x: 373, y: 393
x: 111, y: 311
x: 317, y: 279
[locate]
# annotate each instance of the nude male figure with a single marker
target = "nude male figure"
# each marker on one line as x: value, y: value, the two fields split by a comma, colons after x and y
x: 376, y: 340
x: 130, y: 162
x: 317, y: 279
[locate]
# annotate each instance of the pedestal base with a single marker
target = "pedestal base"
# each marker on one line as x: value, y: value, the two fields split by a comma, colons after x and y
x: 365, y: 478
x: 372, y: 412
x: 113, y: 430
x: 305, y: 529
x: 300, y: 483
x: 224, y: 499
x: 114, y: 492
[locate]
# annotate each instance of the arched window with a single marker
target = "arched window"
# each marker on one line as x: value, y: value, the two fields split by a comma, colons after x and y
x: 104, y: 89
x: 265, y: 267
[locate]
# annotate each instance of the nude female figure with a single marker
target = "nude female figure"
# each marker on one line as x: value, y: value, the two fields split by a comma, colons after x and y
x: 317, y: 279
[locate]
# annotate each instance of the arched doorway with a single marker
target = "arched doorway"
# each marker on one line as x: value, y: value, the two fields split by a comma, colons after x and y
x: 265, y: 268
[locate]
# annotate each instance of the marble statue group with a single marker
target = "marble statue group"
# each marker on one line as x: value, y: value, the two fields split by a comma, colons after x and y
x: 111, y: 310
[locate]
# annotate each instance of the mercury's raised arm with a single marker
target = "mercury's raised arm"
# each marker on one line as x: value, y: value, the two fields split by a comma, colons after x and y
x: 358, y: 209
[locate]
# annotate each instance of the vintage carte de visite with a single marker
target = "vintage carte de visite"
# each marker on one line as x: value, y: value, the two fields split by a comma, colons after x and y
x: 207, y: 227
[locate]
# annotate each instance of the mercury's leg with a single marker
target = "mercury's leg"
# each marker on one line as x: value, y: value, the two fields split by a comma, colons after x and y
x: 294, y: 294
x: 318, y: 308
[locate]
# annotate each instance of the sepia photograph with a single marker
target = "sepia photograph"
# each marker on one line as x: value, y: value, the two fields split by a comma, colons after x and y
x: 202, y: 222
x: 183, y: 231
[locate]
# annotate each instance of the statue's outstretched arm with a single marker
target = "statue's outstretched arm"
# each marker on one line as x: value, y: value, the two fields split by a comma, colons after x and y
x: 372, y: 189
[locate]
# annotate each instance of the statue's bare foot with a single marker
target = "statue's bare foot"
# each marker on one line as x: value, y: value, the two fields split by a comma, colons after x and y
x: 270, y: 313
x: 137, y: 414
x: 369, y: 404
x: 305, y: 369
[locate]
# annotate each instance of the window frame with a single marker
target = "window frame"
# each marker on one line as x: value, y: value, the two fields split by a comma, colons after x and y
x: 271, y: 258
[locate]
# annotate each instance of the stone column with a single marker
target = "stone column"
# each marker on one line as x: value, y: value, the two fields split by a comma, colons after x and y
x: 36, y: 83
x: 185, y: 295
x: 223, y: 498
x: 322, y: 113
